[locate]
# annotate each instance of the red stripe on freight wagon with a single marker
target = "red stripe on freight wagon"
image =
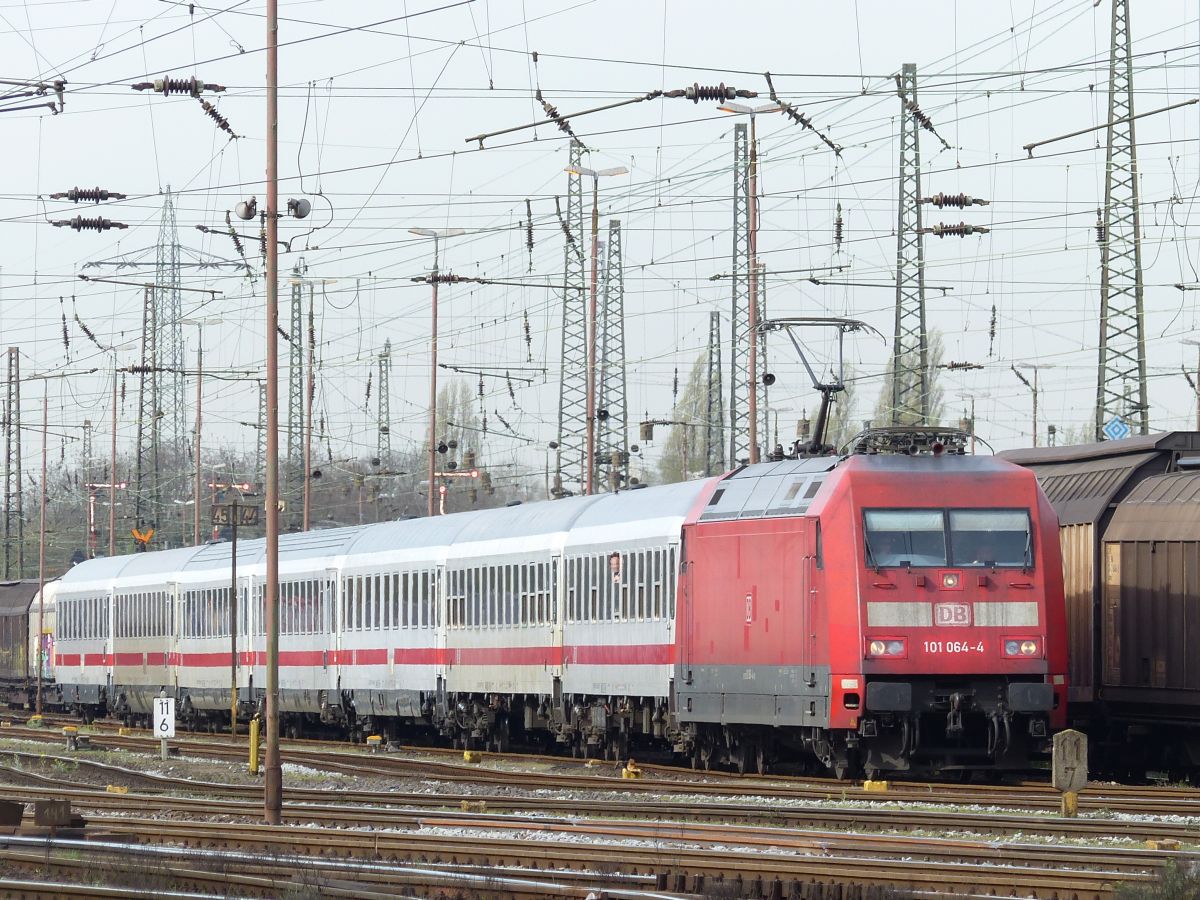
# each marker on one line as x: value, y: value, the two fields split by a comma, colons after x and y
x: 156, y: 659
x: 95, y: 659
x: 128, y: 659
x: 68, y: 659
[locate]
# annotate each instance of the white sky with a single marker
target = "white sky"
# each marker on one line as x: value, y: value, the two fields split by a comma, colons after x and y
x: 361, y: 106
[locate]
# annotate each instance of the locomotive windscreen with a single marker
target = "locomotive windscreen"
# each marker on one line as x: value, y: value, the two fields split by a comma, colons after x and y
x: 989, y: 537
x: 906, y: 537
x: 936, y: 537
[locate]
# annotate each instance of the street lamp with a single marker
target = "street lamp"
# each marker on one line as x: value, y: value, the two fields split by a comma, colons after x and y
x: 199, y: 323
x: 1033, y: 388
x: 596, y: 175
x: 1196, y: 386
x: 437, y: 234
x: 741, y: 109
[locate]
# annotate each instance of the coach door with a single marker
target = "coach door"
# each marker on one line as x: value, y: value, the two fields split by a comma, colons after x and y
x: 327, y: 639
x: 170, y: 641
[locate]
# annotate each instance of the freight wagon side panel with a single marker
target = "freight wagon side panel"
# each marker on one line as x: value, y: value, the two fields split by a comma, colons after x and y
x: 1078, y: 555
x: 15, y: 601
x: 1151, y: 608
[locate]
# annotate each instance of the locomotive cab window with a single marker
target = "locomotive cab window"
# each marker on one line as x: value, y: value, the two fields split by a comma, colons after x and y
x: 990, y: 537
x: 905, y: 537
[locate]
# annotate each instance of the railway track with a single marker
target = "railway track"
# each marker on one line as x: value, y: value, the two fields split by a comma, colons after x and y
x: 654, y: 829
x: 367, y: 804
x: 673, y: 856
x: 1097, y: 798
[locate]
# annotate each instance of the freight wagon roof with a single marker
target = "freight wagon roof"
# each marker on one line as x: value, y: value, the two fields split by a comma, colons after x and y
x: 1082, y: 481
x: 1165, y: 441
x: 1161, y: 508
x: 15, y: 597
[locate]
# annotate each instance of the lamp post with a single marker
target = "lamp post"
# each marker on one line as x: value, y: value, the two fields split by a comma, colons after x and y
x: 199, y: 323
x: 741, y: 109
x: 590, y: 464
x: 437, y: 234
x: 1195, y: 343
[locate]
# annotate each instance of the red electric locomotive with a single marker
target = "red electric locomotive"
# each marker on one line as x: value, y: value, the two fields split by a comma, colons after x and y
x: 900, y: 608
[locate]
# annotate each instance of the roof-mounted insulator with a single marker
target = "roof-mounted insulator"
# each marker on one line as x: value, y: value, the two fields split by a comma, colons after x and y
x: 962, y: 229
x: 79, y: 223
x: 212, y: 112
x: 85, y: 195
x: 167, y: 86
x: 957, y: 201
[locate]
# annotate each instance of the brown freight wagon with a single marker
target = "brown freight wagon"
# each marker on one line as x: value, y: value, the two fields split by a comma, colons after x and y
x: 1129, y: 513
x: 17, y: 670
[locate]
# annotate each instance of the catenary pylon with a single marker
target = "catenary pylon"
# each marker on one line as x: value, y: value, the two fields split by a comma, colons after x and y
x: 739, y: 352
x: 612, y: 409
x: 1122, y: 323
x: 910, y: 347
x: 572, y: 398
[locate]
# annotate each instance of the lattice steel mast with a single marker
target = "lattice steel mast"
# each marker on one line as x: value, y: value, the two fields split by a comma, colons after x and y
x: 910, y: 346
x: 572, y: 398
x: 14, y: 515
x: 714, y: 413
x: 1122, y: 320
x: 260, y: 445
x: 295, y: 412
x: 614, y: 428
x: 146, y: 472
x: 169, y: 347
x: 383, y: 447
x: 739, y: 353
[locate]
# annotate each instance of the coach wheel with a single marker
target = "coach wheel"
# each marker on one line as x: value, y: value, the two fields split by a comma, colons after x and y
x: 744, y: 757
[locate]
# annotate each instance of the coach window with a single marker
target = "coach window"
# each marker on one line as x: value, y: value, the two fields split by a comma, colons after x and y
x: 380, y: 603
x: 673, y: 576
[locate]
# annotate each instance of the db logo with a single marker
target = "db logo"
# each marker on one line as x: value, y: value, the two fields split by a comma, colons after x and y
x: 951, y: 614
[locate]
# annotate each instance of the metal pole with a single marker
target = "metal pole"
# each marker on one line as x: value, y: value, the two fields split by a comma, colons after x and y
x: 589, y: 475
x: 1198, y: 388
x: 1035, y: 404
x: 433, y: 345
x: 196, y: 447
x: 233, y: 612
x: 42, y: 552
x: 112, y: 475
x: 273, y: 788
x: 752, y: 331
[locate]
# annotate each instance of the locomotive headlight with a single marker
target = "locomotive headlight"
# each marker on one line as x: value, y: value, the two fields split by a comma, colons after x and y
x: 887, y: 647
x: 1022, y: 647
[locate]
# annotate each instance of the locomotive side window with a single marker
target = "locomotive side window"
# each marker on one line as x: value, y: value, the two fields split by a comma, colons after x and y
x: 990, y: 537
x: 905, y: 537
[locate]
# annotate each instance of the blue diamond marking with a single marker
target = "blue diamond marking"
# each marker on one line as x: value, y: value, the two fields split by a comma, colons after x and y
x: 1116, y: 429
